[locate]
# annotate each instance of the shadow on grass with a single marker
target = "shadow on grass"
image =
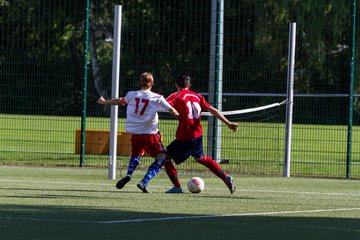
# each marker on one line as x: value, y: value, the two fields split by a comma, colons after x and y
x: 61, y: 222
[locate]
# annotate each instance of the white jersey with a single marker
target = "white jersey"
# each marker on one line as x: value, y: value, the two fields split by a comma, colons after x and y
x: 141, y: 112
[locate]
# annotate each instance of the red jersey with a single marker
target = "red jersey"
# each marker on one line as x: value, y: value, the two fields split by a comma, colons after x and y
x: 189, y: 104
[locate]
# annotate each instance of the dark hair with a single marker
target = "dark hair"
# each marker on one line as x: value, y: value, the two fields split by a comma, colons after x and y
x: 183, y: 80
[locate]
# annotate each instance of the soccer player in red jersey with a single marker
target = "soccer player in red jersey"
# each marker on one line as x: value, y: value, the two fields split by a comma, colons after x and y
x: 189, y: 140
x: 142, y: 123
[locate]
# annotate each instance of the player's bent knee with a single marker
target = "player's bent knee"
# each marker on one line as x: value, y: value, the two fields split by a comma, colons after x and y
x: 160, y: 159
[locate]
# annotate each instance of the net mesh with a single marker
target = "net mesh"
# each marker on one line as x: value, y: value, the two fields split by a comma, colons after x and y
x: 256, y: 146
x: 42, y: 72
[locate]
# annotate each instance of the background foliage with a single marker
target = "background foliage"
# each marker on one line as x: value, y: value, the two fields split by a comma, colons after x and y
x: 42, y: 48
x: 42, y: 73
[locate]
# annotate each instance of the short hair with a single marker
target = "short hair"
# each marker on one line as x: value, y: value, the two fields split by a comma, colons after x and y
x: 183, y: 80
x: 146, y: 79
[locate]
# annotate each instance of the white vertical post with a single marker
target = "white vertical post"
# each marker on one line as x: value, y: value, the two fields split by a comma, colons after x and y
x: 115, y: 93
x: 220, y: 59
x: 212, y: 68
x: 290, y: 97
x: 215, y: 77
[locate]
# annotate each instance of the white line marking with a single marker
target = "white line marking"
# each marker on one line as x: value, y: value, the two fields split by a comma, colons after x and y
x: 57, y: 182
x: 294, y: 192
x: 178, y: 217
x: 228, y: 215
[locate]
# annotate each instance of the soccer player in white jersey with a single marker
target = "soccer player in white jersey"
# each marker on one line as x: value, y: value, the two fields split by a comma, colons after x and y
x: 142, y: 122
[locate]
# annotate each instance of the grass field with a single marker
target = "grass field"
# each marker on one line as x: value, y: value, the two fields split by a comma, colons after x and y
x: 81, y: 203
x: 256, y: 148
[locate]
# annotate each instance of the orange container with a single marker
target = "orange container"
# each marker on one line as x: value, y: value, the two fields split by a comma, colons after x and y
x: 97, y: 142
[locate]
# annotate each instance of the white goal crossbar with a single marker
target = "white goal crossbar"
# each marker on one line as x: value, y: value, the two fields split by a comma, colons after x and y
x: 248, y: 110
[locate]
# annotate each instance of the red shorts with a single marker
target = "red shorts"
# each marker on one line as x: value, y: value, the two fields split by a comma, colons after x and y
x: 149, y: 143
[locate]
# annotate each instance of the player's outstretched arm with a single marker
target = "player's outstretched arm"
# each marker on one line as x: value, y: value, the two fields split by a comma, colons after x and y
x: 173, y: 112
x: 216, y: 113
x: 113, y: 101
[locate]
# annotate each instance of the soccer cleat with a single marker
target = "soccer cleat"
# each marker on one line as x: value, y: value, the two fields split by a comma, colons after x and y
x: 121, y: 183
x: 175, y: 190
x: 229, y: 181
x: 143, y: 187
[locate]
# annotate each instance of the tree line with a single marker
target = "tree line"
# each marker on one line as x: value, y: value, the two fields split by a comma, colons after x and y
x: 42, y: 50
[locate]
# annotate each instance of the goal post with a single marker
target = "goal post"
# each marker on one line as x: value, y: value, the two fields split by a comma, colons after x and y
x: 115, y: 92
x: 215, y: 77
x: 290, y: 98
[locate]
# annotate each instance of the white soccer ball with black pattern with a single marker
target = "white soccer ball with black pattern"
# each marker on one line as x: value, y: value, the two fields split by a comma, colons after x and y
x: 196, y: 185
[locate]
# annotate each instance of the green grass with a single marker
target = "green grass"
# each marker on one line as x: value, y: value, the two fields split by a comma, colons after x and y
x: 256, y: 148
x: 81, y: 203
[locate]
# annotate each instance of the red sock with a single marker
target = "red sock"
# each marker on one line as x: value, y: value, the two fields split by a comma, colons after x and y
x: 213, y: 167
x: 172, y: 173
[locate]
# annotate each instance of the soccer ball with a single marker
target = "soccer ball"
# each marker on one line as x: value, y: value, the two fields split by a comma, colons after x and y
x: 196, y: 185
